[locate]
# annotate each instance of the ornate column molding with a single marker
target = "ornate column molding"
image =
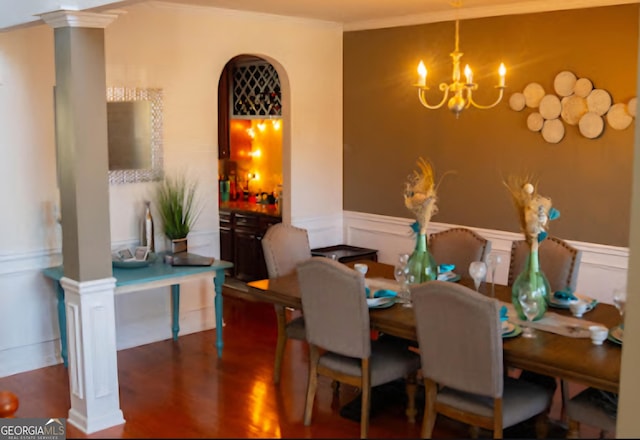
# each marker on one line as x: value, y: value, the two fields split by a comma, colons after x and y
x: 67, y: 18
x: 93, y: 365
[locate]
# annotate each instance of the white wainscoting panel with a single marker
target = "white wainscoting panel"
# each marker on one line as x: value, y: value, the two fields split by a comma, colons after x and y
x: 602, y: 267
x: 323, y: 231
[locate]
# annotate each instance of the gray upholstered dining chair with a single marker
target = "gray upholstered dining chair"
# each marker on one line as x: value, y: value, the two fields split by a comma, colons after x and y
x: 559, y: 261
x: 459, y: 246
x: 340, y: 346
x: 460, y: 340
x: 284, y: 246
x: 592, y: 407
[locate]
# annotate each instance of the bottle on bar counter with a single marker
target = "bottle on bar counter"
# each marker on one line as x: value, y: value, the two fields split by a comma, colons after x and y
x: 147, y: 238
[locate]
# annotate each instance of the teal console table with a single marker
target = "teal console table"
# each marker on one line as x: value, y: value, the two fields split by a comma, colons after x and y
x: 155, y: 275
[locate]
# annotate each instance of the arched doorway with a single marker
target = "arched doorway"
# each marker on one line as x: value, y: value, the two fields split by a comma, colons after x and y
x: 252, y: 139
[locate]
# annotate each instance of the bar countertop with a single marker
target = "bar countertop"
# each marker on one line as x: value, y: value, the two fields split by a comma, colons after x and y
x: 256, y: 208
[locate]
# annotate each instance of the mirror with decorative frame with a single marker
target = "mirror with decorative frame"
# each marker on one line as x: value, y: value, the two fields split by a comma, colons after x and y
x: 134, y: 127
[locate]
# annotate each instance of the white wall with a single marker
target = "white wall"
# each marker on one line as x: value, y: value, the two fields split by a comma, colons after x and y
x: 183, y: 51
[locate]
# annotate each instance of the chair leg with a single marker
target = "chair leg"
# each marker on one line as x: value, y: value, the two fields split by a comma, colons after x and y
x: 281, y: 343
x: 429, y: 418
x: 497, y: 418
x: 564, y: 390
x: 312, y: 384
x: 574, y: 429
x: 542, y: 425
x: 411, y: 397
x: 366, y: 399
x: 335, y: 386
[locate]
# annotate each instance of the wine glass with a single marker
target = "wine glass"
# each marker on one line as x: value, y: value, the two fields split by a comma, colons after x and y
x: 403, y: 258
x: 620, y: 300
x: 493, y: 261
x: 400, y: 274
x: 405, y: 293
x: 529, y: 303
x: 478, y: 271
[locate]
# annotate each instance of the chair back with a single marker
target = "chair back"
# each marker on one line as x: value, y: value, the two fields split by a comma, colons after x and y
x: 460, y: 337
x: 559, y: 261
x: 335, y: 307
x: 284, y: 246
x: 459, y: 246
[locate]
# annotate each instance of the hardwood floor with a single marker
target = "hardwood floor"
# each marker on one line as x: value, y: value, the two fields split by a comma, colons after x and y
x: 182, y: 390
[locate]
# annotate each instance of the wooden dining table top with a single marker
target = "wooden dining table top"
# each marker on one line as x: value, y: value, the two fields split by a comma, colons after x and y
x: 574, y: 359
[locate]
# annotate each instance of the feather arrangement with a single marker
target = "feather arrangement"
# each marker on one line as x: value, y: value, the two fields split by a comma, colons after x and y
x: 420, y: 194
x: 534, y: 210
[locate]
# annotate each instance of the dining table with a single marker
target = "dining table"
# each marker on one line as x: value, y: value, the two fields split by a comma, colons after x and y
x: 574, y: 359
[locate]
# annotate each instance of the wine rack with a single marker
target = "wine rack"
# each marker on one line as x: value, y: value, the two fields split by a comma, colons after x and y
x: 255, y: 91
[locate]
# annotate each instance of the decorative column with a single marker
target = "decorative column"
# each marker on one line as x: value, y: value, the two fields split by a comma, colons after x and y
x: 82, y: 160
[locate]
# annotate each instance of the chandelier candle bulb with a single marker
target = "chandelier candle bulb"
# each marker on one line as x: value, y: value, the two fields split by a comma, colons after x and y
x: 468, y: 74
x: 502, y: 71
x: 422, y: 75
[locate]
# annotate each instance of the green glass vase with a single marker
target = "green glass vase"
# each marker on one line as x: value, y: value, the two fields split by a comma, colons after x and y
x: 421, y: 263
x: 532, y: 282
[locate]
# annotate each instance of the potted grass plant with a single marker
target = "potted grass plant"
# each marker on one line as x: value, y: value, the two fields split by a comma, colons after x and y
x: 176, y: 203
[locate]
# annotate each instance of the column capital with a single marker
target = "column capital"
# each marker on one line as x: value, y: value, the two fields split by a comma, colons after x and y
x: 68, y: 18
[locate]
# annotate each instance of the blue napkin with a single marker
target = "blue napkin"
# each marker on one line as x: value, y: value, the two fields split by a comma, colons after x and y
x: 383, y: 293
x: 503, y: 313
x: 564, y: 295
x: 442, y: 268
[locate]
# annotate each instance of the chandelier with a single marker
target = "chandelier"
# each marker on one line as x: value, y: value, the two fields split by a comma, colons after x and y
x: 462, y: 91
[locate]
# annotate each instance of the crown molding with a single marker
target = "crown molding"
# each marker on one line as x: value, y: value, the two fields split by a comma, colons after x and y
x: 242, y: 13
x: 516, y: 8
x: 68, y: 18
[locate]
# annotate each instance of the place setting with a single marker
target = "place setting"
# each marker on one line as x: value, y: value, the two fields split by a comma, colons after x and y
x: 509, y: 329
x: 381, y: 293
x: 616, y: 333
x: 577, y: 303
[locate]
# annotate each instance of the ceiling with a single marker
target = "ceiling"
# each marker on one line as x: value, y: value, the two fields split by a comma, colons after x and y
x: 352, y: 14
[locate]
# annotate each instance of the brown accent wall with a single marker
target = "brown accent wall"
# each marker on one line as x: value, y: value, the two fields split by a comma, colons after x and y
x: 386, y: 128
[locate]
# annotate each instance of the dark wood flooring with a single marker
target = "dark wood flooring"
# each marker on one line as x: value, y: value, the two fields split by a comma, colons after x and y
x: 182, y: 390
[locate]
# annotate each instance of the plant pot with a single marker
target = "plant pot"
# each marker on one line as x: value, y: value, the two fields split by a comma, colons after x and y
x: 178, y: 245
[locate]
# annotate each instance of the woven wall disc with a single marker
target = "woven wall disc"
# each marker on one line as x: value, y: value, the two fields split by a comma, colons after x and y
x: 632, y: 106
x: 591, y: 125
x: 553, y: 131
x: 564, y: 83
x: 573, y: 108
x: 550, y: 107
x: 535, y: 121
x: 599, y: 101
x: 618, y: 117
x: 583, y: 87
x: 517, y: 101
x: 533, y: 93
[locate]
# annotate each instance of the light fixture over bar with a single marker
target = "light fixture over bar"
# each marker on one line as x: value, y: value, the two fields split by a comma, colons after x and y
x: 462, y: 91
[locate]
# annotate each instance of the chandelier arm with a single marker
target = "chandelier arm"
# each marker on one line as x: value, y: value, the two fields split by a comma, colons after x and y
x: 423, y: 99
x: 485, y: 107
x: 469, y: 98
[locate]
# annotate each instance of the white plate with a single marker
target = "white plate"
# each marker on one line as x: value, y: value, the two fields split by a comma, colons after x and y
x: 564, y: 303
x: 617, y: 333
x: 508, y: 328
x: 381, y: 303
x: 448, y: 276
x: 517, y: 330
